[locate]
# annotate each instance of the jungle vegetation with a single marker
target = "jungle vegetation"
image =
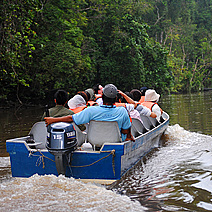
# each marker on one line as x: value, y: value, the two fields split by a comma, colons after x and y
x: 74, y: 44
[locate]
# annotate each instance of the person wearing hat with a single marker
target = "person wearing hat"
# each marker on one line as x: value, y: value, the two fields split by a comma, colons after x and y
x: 151, y: 99
x: 105, y: 112
x: 91, y: 101
x: 134, y: 108
x: 79, y: 101
x: 91, y: 93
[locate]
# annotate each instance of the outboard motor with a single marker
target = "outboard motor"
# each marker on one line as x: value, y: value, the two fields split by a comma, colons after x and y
x: 61, y: 140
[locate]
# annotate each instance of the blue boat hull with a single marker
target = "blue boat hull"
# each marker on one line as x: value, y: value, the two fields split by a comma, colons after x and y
x: 108, y: 164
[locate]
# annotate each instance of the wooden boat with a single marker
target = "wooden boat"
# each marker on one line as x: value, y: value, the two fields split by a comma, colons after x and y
x: 29, y: 155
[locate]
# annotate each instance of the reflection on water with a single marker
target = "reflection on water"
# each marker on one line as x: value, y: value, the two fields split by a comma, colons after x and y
x: 192, y: 111
x: 16, y: 123
x: 175, y: 177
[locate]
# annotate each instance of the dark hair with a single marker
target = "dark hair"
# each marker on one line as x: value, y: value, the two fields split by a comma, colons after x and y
x: 119, y: 97
x: 96, y: 88
x: 136, y: 94
x: 84, y: 94
x: 108, y: 100
x: 128, y: 94
x: 143, y: 90
x: 61, y: 97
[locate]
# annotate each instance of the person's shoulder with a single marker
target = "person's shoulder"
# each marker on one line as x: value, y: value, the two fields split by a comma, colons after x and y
x: 121, y: 109
x: 92, y: 108
x: 66, y: 110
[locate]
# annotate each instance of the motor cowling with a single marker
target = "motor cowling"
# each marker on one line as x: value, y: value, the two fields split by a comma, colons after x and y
x: 61, y: 137
x: 61, y: 140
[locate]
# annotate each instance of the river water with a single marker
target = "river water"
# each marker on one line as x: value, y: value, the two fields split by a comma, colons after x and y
x: 174, y: 177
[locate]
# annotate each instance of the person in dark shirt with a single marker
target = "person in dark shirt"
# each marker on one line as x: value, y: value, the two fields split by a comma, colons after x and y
x: 60, y: 99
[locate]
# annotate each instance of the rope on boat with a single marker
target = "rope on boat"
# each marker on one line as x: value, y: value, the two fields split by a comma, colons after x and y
x: 112, y: 152
x: 40, y: 159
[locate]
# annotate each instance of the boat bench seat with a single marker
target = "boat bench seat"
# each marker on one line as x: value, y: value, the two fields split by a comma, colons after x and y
x: 34, y: 144
x: 39, y: 135
x: 147, y: 122
x: 100, y: 132
x: 137, y: 128
x: 154, y: 121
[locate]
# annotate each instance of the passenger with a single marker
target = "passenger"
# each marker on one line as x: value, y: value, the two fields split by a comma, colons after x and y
x: 91, y: 93
x: 151, y: 99
x: 143, y: 91
x: 61, y: 98
x: 131, y: 107
x: 79, y: 101
x: 136, y: 94
x: 91, y: 101
x: 106, y: 112
x: 98, y: 90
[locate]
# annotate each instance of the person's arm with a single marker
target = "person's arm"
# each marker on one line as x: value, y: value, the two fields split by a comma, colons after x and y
x: 129, y: 135
x: 50, y: 120
x: 157, y: 111
x: 153, y: 115
x: 128, y: 99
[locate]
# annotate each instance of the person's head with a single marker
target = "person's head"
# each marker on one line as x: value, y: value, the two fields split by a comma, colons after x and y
x: 85, y: 95
x: 98, y: 89
x: 143, y: 90
x: 61, y: 97
x: 119, y: 97
x: 136, y: 94
x: 151, y: 96
x: 109, y: 94
x: 91, y: 92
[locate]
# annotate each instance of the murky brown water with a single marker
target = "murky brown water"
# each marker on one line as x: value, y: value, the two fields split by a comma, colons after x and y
x: 176, y: 177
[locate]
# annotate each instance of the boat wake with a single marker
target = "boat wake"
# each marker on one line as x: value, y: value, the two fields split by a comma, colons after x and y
x: 174, y: 177
x: 51, y: 193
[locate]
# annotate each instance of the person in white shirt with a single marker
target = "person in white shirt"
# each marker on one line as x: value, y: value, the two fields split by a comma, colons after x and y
x: 151, y: 99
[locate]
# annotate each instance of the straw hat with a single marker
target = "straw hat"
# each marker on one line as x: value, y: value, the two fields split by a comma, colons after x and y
x: 151, y: 96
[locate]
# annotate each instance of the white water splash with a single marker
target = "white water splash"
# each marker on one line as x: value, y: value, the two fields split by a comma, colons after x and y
x: 183, y: 147
x: 4, y: 162
x: 51, y: 193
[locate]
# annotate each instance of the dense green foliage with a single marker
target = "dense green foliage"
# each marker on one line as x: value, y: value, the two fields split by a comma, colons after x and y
x: 46, y: 45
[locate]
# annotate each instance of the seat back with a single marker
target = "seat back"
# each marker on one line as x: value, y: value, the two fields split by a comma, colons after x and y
x: 154, y: 121
x: 138, y: 127
x: 81, y: 136
x: 39, y: 133
x: 100, y: 132
x: 146, y: 122
x: 163, y: 117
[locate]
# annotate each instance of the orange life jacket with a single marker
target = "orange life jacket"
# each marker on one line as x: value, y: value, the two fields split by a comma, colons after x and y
x: 78, y: 109
x: 142, y: 99
x: 118, y: 104
x: 150, y: 105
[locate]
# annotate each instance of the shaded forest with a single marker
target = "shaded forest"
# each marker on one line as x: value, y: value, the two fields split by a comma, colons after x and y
x: 51, y: 44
